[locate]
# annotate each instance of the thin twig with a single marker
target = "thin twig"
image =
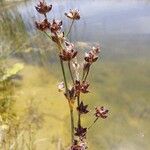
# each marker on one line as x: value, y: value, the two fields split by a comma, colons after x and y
x: 92, y: 123
x: 72, y: 125
x: 70, y: 72
x: 70, y: 28
x: 84, y: 78
x: 79, y: 115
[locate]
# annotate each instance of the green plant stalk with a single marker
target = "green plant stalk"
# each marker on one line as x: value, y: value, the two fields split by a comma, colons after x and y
x: 79, y: 115
x: 70, y: 28
x: 71, y: 110
x: 72, y: 125
x: 85, y: 76
x: 93, y: 123
x: 66, y: 87
x: 64, y: 76
x: 70, y: 72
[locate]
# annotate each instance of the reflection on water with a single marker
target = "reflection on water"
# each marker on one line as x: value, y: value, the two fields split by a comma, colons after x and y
x: 123, y: 27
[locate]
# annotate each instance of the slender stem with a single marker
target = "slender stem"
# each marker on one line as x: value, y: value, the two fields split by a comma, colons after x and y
x: 47, y: 34
x: 70, y: 72
x: 92, y: 123
x: 79, y: 115
x: 66, y: 87
x: 72, y: 125
x: 70, y: 28
x: 64, y: 75
x: 84, y: 78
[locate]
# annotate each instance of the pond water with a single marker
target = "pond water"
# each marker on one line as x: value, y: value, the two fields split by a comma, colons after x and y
x: 121, y: 27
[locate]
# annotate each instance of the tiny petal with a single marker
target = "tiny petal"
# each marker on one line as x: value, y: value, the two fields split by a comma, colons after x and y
x: 61, y: 86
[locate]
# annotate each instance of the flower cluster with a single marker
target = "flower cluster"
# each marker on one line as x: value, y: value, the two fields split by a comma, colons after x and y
x: 73, y: 14
x: 68, y: 55
x: 43, y: 8
x: 101, y: 112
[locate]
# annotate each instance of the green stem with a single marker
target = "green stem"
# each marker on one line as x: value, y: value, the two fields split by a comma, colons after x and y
x: 70, y: 72
x: 84, y: 78
x: 47, y: 34
x: 79, y: 115
x: 66, y: 88
x: 92, y: 123
x: 64, y: 75
x: 72, y: 125
x: 70, y: 28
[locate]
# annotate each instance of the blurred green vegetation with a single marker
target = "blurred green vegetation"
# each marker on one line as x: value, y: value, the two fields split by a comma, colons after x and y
x: 123, y: 86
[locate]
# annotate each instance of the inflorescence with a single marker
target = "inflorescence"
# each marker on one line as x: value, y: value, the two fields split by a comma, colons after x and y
x: 67, y: 54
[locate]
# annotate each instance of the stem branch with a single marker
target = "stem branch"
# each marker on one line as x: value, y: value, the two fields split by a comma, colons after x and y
x: 93, y: 123
x: 79, y: 115
x: 70, y: 28
x: 72, y: 125
x: 69, y: 66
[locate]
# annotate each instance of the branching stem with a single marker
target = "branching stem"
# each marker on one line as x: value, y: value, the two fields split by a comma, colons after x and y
x: 93, y: 123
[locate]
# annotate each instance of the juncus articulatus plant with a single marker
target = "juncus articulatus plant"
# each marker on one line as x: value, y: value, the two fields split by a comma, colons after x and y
x: 67, y: 56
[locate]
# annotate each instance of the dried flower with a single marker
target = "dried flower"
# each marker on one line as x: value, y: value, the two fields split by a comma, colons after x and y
x: 68, y: 53
x: 81, y: 87
x: 73, y: 14
x: 82, y: 108
x: 44, y: 25
x: 79, y: 145
x: 92, y: 55
x: 43, y: 8
x: 70, y: 95
x: 55, y: 26
x: 60, y: 86
x: 101, y: 112
x: 81, y: 132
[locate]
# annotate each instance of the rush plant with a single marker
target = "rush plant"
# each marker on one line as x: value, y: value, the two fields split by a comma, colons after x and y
x: 67, y: 55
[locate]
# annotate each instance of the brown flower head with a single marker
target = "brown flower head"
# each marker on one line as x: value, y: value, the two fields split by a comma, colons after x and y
x: 55, y: 26
x: 73, y: 14
x: 71, y: 94
x: 79, y: 145
x: 68, y: 53
x: 76, y: 147
x: 44, y: 25
x: 81, y: 132
x: 92, y: 55
x: 81, y: 87
x: 43, y: 8
x: 82, y: 108
x: 101, y: 112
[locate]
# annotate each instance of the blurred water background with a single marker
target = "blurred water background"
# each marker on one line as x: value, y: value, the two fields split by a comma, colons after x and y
x: 120, y: 79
